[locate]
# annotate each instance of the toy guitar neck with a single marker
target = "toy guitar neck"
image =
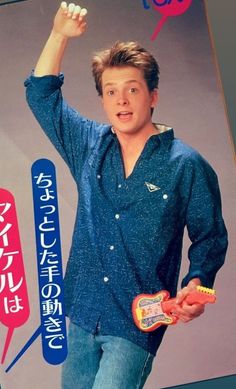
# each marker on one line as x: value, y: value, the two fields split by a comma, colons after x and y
x: 150, y: 311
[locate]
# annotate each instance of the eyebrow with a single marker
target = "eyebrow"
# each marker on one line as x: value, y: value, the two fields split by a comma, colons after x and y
x: 126, y: 82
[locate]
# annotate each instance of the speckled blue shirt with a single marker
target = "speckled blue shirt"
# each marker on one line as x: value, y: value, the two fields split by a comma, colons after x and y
x: 128, y: 232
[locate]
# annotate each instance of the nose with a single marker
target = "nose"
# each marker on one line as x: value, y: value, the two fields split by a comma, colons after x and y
x: 122, y: 99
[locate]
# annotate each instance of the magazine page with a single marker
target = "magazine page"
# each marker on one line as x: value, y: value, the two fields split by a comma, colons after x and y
x: 81, y: 246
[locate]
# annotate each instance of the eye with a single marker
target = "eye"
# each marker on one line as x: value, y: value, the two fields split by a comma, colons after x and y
x: 133, y: 90
x: 111, y: 92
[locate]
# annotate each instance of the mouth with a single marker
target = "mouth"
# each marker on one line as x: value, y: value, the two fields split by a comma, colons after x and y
x: 124, y: 116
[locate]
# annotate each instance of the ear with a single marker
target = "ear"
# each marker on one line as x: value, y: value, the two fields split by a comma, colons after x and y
x: 154, y: 97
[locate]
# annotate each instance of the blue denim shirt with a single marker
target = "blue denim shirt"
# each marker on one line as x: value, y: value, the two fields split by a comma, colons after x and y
x: 128, y: 232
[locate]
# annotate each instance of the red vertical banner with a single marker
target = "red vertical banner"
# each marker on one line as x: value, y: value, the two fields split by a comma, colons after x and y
x: 14, y: 303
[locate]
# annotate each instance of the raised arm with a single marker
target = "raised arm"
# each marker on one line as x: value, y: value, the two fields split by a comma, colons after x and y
x: 66, y: 128
x: 69, y: 22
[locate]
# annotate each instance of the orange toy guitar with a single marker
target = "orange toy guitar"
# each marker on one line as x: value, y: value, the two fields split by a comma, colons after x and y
x: 152, y: 310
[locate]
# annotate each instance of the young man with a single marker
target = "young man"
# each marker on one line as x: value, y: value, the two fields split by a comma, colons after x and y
x: 138, y: 188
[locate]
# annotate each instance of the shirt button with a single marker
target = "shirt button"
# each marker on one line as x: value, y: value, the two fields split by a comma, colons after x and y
x: 117, y: 216
x: 119, y: 186
x: 165, y: 196
x: 98, y: 176
x: 112, y: 247
x: 105, y: 279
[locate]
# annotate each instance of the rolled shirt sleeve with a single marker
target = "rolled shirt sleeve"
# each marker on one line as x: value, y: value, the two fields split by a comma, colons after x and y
x: 71, y: 133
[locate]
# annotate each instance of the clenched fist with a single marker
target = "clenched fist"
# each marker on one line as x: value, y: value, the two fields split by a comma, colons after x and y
x: 70, y: 21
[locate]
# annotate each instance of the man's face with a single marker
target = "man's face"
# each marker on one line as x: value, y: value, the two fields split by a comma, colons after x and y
x: 127, y: 100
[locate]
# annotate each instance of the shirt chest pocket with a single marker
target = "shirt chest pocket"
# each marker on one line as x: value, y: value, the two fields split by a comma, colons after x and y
x: 152, y: 213
x: 155, y: 204
x: 153, y: 201
x: 144, y: 200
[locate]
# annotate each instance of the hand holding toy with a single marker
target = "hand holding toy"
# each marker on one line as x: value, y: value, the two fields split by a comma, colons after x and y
x: 152, y: 310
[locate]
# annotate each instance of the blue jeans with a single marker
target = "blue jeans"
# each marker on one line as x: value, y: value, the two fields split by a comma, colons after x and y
x: 104, y: 362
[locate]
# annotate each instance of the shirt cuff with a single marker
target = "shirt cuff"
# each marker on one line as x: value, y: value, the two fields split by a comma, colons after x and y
x: 205, y: 281
x: 45, y: 85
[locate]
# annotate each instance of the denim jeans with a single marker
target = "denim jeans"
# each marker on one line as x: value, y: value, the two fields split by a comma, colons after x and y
x: 104, y: 362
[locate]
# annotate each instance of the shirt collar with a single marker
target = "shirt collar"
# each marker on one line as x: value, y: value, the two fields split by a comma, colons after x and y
x: 159, y: 127
x: 164, y: 135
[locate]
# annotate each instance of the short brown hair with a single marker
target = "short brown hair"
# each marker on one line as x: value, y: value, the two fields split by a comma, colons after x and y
x: 126, y: 54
